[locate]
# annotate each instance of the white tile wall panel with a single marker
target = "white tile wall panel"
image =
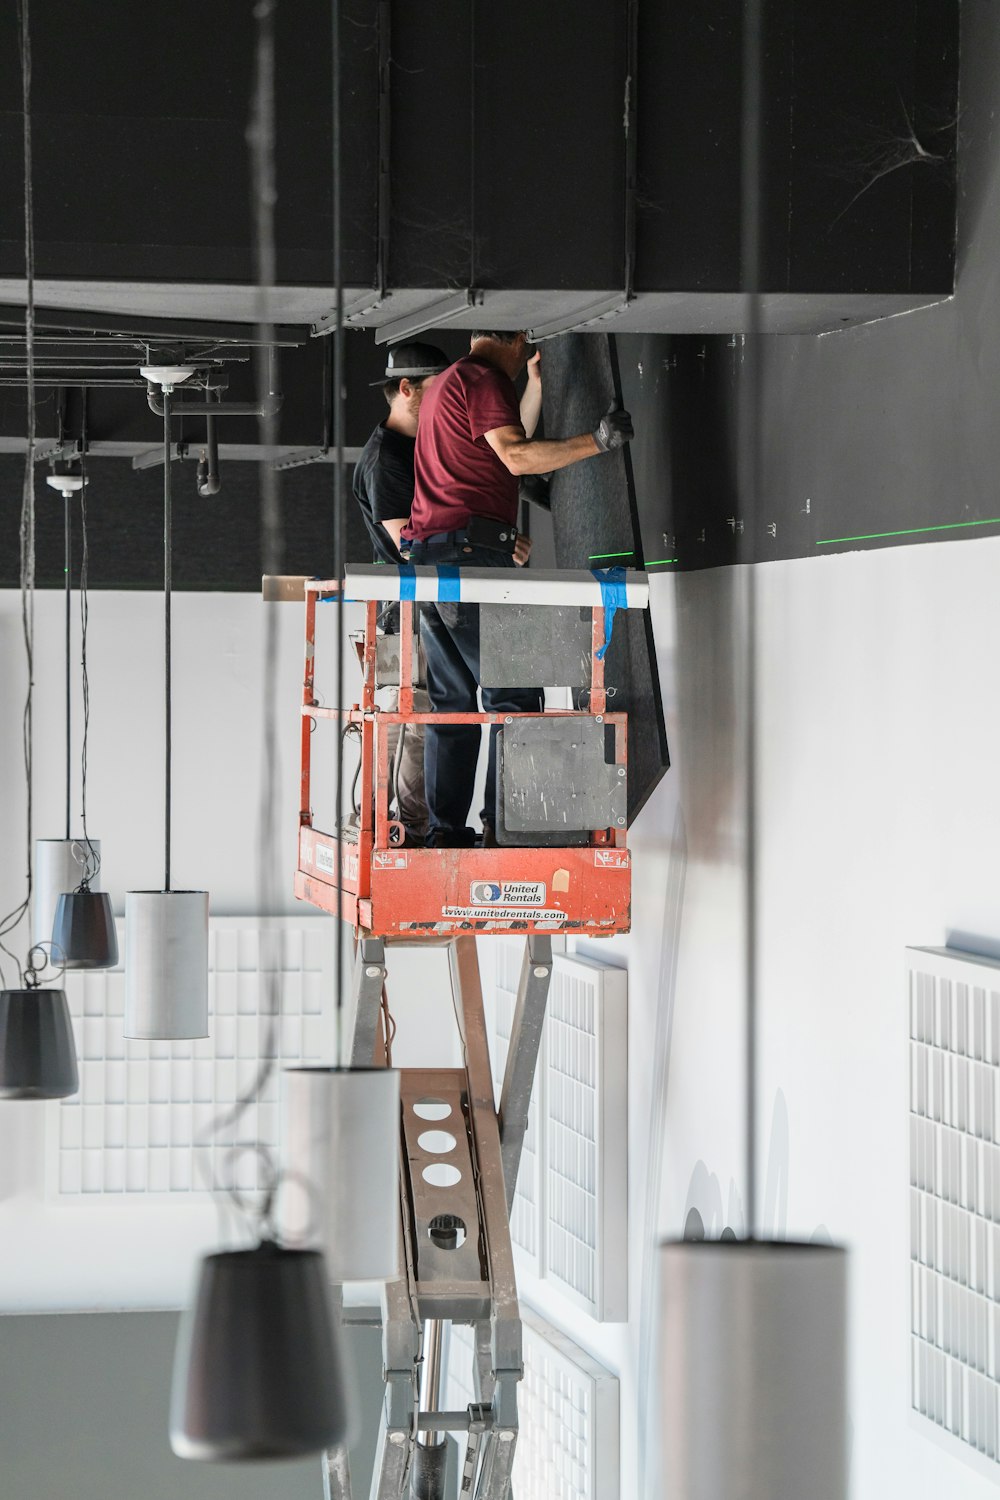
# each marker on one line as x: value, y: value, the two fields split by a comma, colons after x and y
x: 954, y: 1114
x: 568, y: 1406
x: 569, y: 1224
x: 133, y: 1128
x: 525, y: 1219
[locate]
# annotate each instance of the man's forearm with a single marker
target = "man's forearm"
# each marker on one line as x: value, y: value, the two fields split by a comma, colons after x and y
x: 539, y: 458
x: 531, y: 407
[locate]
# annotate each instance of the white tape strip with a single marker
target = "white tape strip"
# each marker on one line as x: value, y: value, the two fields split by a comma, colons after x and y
x: 490, y: 586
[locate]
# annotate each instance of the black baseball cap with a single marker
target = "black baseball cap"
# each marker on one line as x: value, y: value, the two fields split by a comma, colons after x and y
x: 415, y: 361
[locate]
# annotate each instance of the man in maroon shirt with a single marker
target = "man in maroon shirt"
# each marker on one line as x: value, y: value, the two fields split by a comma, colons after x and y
x: 473, y: 443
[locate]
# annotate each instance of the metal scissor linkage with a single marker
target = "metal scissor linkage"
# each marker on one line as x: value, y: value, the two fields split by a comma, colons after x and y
x: 455, y: 1239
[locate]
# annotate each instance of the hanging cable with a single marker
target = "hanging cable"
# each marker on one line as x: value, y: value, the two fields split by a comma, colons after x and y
x: 259, y: 1214
x: 68, y: 590
x: 167, y: 662
x: 339, y: 402
x: 749, y: 492
x: 93, y: 860
x: 11, y: 921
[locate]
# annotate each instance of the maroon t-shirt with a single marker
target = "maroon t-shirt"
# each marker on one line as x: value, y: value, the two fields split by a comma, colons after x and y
x: 456, y: 473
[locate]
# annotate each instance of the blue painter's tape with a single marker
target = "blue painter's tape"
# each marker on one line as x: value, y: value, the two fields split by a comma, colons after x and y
x: 407, y: 580
x: 612, y: 581
x: 449, y: 585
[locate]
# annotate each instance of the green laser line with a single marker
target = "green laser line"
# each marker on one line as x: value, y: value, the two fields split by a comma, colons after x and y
x: 660, y: 561
x: 595, y: 556
x: 875, y: 536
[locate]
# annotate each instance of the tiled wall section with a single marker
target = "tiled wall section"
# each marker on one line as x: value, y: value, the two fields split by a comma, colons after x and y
x: 954, y: 1029
x: 567, y: 1446
x: 142, y: 1108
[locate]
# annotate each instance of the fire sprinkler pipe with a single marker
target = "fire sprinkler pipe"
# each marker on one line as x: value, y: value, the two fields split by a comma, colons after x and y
x: 209, y: 480
x: 269, y: 407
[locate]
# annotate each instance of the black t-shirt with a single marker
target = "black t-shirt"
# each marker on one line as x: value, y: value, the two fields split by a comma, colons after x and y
x: 383, y: 486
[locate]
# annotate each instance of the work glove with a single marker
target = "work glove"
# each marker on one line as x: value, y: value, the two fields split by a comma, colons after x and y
x: 614, y: 429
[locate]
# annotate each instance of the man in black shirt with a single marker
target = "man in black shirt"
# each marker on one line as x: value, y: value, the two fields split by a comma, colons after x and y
x: 383, y: 488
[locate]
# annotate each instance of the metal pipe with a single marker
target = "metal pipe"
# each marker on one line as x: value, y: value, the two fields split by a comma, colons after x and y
x: 269, y: 407
x: 209, y: 480
x: 430, y: 1382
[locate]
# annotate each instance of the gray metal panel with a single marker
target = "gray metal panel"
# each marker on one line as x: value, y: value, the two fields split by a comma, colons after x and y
x: 534, y: 645
x: 555, y: 777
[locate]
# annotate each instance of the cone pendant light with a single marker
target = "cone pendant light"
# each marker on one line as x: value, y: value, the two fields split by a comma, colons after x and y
x: 258, y: 1371
x: 753, y: 1332
x: 37, y: 1051
x: 166, y: 932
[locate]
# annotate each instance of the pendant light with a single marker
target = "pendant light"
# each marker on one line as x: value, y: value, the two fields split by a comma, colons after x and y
x: 259, y: 1371
x: 340, y: 1132
x: 69, y: 864
x: 37, y: 1051
x: 341, y: 1125
x: 753, y: 1347
x: 166, y: 931
x: 82, y: 925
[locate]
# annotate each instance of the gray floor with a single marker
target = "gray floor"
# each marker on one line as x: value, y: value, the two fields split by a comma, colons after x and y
x: 84, y: 1402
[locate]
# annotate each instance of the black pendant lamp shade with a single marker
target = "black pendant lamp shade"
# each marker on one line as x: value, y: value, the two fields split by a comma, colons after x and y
x: 83, y: 933
x: 258, y: 1372
x: 37, y: 1051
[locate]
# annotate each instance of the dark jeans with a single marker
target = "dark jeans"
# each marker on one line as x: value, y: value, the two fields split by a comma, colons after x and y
x: 450, y: 637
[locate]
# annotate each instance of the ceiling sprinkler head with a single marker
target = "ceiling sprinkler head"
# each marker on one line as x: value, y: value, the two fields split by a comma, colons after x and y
x: 167, y: 376
x: 67, y: 483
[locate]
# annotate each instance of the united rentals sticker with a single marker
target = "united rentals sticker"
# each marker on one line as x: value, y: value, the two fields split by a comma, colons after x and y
x: 492, y: 914
x: 507, y: 893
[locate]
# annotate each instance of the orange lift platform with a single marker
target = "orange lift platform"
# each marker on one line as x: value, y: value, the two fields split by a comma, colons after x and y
x: 562, y: 864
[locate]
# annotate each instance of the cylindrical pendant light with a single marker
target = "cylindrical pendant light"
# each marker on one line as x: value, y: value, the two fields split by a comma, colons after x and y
x: 166, y: 932
x: 166, y: 964
x: 60, y: 865
x: 37, y: 1051
x: 341, y: 1135
x: 259, y: 1372
x: 753, y: 1364
x: 83, y: 931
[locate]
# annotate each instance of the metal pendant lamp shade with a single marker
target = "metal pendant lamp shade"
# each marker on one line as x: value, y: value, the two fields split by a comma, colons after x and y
x: 59, y: 866
x: 753, y: 1370
x: 340, y: 1132
x: 166, y: 964
x: 83, y: 932
x: 258, y: 1372
x: 37, y: 1051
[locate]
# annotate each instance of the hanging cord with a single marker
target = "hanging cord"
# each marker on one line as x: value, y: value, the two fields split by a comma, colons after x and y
x: 68, y: 571
x: 12, y: 920
x: 339, y: 403
x: 92, y: 860
x: 168, y: 580
x: 749, y: 477
x: 258, y: 1215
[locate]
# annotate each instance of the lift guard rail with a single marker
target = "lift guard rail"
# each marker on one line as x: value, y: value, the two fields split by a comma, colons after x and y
x: 538, y: 878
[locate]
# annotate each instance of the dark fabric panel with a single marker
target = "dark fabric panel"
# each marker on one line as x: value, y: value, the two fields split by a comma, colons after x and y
x: 593, y: 512
x: 216, y: 540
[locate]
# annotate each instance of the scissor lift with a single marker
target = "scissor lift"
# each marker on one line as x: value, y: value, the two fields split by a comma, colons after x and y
x: 455, y: 1241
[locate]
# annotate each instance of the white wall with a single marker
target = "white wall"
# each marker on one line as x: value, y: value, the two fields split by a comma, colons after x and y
x: 879, y: 805
x: 142, y: 1255
x: 879, y: 808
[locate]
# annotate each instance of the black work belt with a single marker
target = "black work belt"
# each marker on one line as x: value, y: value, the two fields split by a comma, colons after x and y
x: 480, y: 531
